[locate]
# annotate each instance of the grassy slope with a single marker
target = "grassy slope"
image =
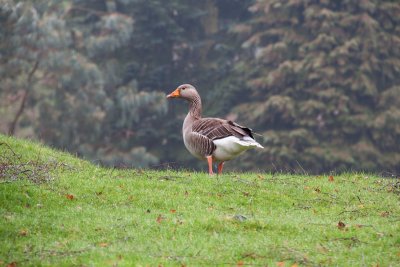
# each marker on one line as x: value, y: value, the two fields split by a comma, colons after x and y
x: 184, y: 218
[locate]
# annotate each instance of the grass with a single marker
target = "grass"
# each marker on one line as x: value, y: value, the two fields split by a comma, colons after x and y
x: 58, y: 210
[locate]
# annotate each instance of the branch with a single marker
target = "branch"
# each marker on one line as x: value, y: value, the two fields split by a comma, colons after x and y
x: 13, y: 124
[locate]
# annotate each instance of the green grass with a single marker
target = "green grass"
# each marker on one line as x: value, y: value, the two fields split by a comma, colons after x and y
x: 87, y: 215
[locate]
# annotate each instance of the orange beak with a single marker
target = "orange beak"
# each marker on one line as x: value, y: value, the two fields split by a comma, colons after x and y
x: 175, y: 93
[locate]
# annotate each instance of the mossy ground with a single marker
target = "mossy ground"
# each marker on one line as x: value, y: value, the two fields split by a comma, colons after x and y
x: 82, y: 214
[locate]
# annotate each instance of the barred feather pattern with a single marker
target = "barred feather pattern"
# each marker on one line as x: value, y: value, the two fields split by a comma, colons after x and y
x: 204, y: 145
x: 214, y: 128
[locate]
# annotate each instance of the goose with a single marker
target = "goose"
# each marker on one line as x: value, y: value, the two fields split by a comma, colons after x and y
x: 212, y: 139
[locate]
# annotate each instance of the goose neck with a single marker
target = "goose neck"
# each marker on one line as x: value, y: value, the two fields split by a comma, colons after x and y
x: 195, y: 107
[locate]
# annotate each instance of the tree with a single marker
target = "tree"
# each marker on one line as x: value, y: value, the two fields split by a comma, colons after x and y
x: 65, y: 58
x: 321, y: 80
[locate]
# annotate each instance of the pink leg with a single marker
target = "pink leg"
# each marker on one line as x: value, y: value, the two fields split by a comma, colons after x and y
x: 209, y: 160
x: 220, y: 167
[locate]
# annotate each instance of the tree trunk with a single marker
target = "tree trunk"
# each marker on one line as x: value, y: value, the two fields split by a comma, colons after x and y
x: 13, y: 124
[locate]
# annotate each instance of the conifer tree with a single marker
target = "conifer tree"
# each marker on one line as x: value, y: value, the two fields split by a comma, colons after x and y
x: 322, y: 80
x: 65, y: 59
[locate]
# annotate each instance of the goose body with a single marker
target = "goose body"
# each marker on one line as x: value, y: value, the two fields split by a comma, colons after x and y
x: 211, y: 139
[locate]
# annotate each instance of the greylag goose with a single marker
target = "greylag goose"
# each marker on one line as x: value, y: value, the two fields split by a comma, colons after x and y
x: 211, y: 139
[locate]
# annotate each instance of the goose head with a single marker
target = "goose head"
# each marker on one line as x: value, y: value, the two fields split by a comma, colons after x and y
x: 185, y: 91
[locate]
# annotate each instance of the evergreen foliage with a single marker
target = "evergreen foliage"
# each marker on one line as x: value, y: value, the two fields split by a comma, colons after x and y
x: 67, y: 58
x: 320, y: 75
x: 318, y: 79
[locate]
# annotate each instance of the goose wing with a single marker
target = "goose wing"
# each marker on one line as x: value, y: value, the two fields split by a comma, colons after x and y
x: 214, y: 129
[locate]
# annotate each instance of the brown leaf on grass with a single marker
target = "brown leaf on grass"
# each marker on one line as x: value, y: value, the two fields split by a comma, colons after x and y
x: 385, y: 214
x: 103, y: 244
x: 172, y: 210
x: 240, y: 263
x: 12, y: 264
x: 280, y: 264
x: 330, y: 179
x: 23, y: 232
x: 295, y: 265
x: 160, y: 218
x: 341, y: 225
x: 186, y: 193
x: 69, y: 196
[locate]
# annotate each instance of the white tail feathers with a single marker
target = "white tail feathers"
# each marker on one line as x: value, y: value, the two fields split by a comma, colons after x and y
x: 248, y: 141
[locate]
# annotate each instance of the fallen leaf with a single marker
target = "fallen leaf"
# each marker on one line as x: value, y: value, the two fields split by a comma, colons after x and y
x: 261, y: 177
x: 341, y: 225
x: 385, y: 214
x: 103, y: 244
x: 160, y: 218
x: 280, y: 264
x: 246, y: 194
x: 295, y: 265
x: 172, y: 211
x: 330, y: 179
x: 240, y: 263
x: 186, y: 193
x: 69, y: 196
x: 23, y: 232
x: 12, y: 264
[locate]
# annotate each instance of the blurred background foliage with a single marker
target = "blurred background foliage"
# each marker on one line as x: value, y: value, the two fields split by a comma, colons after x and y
x: 318, y: 79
